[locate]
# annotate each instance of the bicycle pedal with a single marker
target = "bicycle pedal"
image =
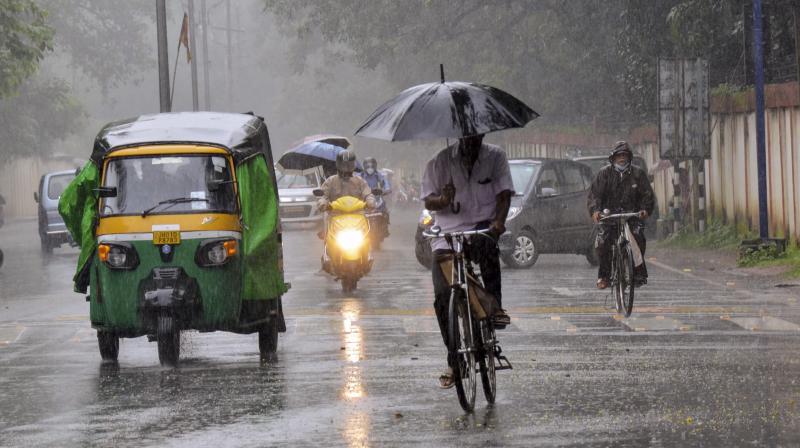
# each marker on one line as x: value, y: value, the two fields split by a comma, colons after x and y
x: 503, y: 363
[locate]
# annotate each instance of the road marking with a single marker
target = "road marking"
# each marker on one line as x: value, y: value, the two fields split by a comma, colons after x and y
x: 540, y: 310
x: 417, y: 325
x: 696, y: 277
x: 538, y: 324
x: 72, y: 318
x: 764, y: 323
x: 10, y: 335
x: 652, y: 324
x: 566, y: 291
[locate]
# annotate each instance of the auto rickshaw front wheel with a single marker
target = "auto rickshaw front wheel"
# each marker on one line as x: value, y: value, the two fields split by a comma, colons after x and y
x: 168, y: 337
x: 109, y: 345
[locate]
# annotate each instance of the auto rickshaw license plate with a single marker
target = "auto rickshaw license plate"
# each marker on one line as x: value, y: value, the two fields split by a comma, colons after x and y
x: 167, y: 237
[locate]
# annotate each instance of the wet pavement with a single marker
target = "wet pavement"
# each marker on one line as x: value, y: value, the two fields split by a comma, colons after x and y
x: 702, y: 362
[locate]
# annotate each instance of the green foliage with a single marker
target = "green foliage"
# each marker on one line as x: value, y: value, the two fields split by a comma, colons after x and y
x: 24, y: 40
x: 573, y: 61
x: 755, y: 257
x: 41, y: 114
x: 716, y: 236
x: 109, y: 41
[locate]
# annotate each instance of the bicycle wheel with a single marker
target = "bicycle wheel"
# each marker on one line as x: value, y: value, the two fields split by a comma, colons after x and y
x: 627, y: 283
x: 460, y: 346
x: 486, y: 361
x: 616, y: 277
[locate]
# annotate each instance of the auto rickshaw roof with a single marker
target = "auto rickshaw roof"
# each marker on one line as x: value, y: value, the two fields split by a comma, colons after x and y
x: 241, y: 134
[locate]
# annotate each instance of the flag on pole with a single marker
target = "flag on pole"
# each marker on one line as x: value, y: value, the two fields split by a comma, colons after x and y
x: 184, y: 38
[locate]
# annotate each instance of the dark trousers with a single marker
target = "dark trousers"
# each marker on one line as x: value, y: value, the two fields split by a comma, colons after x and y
x: 481, y: 250
x: 604, y: 243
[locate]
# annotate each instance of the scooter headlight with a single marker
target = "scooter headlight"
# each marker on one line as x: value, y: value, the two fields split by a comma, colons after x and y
x: 118, y: 255
x: 350, y: 239
x: 216, y: 252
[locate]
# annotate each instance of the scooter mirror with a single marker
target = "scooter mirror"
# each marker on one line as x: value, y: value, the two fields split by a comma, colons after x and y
x: 318, y: 193
x: 377, y: 192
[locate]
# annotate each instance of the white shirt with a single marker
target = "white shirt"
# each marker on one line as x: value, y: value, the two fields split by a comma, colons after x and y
x: 476, y: 191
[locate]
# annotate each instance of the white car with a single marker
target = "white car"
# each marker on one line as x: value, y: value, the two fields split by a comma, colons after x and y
x: 296, y: 193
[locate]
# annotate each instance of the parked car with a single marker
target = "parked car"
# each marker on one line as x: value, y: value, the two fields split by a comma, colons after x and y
x: 548, y: 213
x: 52, y: 230
x: 597, y: 162
x: 296, y: 195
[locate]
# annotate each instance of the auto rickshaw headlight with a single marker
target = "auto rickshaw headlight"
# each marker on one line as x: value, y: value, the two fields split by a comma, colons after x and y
x: 118, y: 255
x: 350, y: 239
x: 216, y: 252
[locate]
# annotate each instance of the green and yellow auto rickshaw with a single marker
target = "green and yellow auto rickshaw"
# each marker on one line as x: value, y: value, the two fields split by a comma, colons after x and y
x: 177, y: 218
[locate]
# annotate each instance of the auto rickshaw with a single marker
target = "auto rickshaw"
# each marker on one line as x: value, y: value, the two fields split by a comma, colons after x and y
x: 176, y: 215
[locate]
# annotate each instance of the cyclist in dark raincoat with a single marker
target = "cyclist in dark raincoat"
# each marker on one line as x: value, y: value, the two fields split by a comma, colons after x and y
x: 620, y: 187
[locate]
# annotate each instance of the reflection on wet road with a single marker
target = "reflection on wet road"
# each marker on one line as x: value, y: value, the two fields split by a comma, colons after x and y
x: 698, y: 364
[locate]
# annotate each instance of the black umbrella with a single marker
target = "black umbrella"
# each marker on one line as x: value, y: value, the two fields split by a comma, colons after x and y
x: 446, y: 110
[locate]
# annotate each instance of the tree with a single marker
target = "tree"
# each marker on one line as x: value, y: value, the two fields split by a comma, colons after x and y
x: 24, y: 40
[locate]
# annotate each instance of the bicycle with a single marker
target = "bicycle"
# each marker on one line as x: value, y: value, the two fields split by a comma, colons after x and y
x: 471, y: 332
x: 622, y: 279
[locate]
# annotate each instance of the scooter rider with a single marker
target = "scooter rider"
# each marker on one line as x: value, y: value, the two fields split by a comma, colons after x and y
x: 343, y: 183
x: 619, y: 187
x: 376, y: 179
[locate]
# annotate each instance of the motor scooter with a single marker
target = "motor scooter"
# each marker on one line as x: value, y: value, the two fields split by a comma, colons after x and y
x: 347, y: 253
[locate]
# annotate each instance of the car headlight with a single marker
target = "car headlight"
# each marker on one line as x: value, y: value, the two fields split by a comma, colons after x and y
x: 513, y: 212
x: 350, y: 239
x: 118, y: 255
x: 216, y: 252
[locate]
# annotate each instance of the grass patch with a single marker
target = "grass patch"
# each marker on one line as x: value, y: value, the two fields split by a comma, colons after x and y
x: 716, y: 236
x: 768, y: 257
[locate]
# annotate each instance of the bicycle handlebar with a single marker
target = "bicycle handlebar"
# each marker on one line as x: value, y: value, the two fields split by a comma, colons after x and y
x: 620, y: 215
x: 455, y: 234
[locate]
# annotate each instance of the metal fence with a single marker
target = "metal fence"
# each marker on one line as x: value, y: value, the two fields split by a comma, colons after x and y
x: 732, y: 176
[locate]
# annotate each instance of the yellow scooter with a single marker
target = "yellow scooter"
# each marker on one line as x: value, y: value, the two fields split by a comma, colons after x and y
x: 347, y: 255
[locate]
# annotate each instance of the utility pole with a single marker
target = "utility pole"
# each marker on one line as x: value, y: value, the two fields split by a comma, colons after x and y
x: 206, y: 88
x: 193, y: 51
x: 229, y: 64
x: 761, y: 154
x: 796, y: 16
x: 163, y: 55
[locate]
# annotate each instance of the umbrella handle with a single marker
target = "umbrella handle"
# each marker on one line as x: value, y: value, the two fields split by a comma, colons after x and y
x: 455, y: 208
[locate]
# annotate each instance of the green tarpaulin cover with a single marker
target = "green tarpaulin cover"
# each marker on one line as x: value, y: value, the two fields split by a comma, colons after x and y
x: 78, y: 207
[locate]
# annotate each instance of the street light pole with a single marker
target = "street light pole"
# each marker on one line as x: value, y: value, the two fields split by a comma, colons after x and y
x: 761, y: 147
x: 163, y: 55
x: 206, y: 88
x: 193, y: 51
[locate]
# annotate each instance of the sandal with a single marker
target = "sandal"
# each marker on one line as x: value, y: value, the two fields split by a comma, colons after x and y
x: 446, y: 380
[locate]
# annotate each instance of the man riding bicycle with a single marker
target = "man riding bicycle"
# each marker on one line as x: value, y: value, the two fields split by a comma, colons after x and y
x: 619, y: 187
x: 469, y: 186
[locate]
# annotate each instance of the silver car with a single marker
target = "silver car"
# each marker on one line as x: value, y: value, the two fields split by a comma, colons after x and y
x: 296, y: 193
x: 52, y: 230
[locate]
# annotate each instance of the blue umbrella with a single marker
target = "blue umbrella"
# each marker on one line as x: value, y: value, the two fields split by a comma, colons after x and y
x: 310, y: 155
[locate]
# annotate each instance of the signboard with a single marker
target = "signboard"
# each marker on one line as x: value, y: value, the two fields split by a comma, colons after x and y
x: 684, y: 130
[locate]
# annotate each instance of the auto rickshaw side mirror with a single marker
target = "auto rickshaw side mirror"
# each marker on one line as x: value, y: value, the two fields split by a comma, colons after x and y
x: 318, y: 193
x: 106, y: 192
x: 36, y: 197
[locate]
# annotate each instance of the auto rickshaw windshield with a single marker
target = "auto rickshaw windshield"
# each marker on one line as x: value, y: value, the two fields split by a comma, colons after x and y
x: 185, y: 183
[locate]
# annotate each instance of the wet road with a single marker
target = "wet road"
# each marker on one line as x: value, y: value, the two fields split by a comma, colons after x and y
x: 701, y: 363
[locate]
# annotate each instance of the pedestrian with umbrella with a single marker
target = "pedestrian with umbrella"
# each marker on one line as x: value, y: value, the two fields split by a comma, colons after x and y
x: 467, y: 183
